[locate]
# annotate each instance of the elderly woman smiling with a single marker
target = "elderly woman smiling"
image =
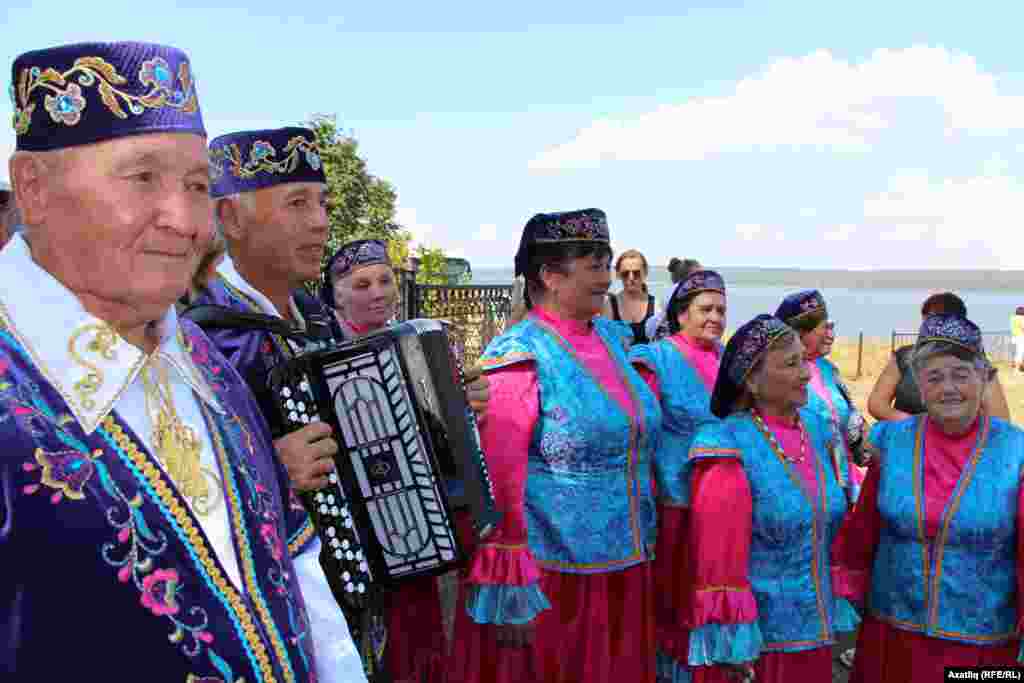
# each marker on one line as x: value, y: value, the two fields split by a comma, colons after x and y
x: 932, y: 550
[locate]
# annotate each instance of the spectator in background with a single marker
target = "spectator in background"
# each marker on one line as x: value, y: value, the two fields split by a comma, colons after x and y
x: 678, y: 270
x: 634, y: 305
x: 1017, y: 330
x: 896, y: 394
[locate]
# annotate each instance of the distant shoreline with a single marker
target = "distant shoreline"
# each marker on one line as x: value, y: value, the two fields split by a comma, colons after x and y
x: 956, y: 280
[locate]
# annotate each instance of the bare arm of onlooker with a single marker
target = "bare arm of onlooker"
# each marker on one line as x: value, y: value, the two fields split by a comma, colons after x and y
x: 994, y: 402
x: 606, y: 309
x: 880, y: 400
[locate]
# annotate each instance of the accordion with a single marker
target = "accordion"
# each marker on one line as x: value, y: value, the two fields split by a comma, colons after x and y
x: 409, y: 454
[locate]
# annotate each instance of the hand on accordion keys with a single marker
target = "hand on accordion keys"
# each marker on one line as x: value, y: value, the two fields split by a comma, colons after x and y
x: 306, y: 454
x: 478, y: 390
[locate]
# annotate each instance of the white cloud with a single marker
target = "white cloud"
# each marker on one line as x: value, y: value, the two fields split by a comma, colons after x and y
x: 972, y: 222
x: 421, y: 232
x: 749, y: 231
x: 840, y: 233
x: 488, y: 232
x: 814, y: 101
x: 808, y: 212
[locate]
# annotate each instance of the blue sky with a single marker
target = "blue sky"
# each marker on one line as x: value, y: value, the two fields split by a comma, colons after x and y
x: 773, y: 134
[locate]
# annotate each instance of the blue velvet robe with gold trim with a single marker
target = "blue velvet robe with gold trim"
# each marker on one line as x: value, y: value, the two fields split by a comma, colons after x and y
x: 104, y: 572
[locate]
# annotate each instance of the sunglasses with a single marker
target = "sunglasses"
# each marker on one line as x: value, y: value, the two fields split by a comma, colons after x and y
x: 627, y: 274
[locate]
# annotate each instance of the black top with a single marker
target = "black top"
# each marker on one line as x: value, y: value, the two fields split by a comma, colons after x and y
x: 908, y: 395
x: 639, y: 333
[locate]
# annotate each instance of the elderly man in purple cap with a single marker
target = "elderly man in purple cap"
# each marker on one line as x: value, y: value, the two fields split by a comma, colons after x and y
x: 142, y: 509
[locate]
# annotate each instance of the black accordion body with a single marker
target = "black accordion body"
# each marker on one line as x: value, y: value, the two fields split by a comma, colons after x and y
x: 409, y: 455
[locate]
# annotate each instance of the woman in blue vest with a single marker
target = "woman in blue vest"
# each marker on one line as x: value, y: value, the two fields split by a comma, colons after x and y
x: 767, y: 497
x: 681, y: 369
x: 806, y: 313
x: 933, y: 550
x: 562, y: 592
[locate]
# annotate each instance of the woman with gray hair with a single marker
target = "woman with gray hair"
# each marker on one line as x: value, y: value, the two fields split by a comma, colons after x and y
x: 932, y: 550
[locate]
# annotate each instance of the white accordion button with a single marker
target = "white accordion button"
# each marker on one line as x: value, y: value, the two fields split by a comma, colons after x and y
x: 286, y: 392
x: 345, y: 544
x: 319, y: 497
x: 345, y: 576
x: 305, y: 419
x: 293, y: 416
x: 335, y: 543
x: 359, y: 554
x: 302, y: 406
x: 363, y: 566
x: 349, y: 587
x: 323, y: 509
x: 290, y: 404
x: 361, y: 588
x: 304, y: 385
x: 331, y: 531
x: 330, y: 499
x: 349, y: 556
x: 335, y: 511
x: 332, y: 478
x: 338, y: 554
x: 348, y: 523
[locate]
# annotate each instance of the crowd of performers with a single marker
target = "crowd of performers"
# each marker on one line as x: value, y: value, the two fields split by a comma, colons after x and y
x: 673, y: 509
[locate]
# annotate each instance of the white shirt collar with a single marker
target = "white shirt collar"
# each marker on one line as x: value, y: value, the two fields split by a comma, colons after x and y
x: 79, y: 354
x: 229, y: 272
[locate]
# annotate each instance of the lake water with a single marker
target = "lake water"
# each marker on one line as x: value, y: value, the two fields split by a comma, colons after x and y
x: 876, y: 312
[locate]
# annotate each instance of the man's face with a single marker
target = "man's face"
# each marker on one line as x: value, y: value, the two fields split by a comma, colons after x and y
x: 284, y: 230
x: 128, y: 220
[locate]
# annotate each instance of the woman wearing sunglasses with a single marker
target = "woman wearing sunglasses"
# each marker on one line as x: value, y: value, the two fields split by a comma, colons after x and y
x: 633, y: 305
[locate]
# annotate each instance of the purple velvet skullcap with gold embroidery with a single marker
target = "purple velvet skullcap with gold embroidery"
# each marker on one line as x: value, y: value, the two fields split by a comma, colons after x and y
x: 90, y: 92
x: 585, y: 225
x: 696, y: 282
x: 745, y: 348
x: 256, y: 159
x: 807, y: 306
x: 951, y: 329
x: 350, y: 257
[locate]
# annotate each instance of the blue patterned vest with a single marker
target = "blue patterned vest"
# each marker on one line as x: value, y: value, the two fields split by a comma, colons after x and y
x: 792, y: 535
x: 685, y: 404
x: 960, y: 585
x: 589, y: 506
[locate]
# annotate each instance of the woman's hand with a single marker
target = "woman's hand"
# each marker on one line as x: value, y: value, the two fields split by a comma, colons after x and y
x: 515, y: 635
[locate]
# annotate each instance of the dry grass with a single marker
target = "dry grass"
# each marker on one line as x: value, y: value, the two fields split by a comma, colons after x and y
x: 876, y: 355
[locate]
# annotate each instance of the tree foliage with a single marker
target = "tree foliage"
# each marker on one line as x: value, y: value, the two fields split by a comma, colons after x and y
x: 360, y: 205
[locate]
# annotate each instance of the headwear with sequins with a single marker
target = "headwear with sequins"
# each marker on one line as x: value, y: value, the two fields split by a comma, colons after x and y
x: 804, y: 310
x: 952, y: 329
x: 350, y: 257
x: 695, y: 283
x: 585, y: 225
x: 744, y: 350
x: 92, y: 92
x: 256, y: 159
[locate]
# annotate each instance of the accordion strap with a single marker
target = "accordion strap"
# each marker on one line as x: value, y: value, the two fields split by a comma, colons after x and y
x: 211, y: 317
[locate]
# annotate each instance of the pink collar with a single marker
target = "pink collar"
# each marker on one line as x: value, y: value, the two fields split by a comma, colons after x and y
x: 564, y: 326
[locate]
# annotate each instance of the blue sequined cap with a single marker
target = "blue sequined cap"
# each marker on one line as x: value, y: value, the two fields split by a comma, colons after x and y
x: 90, y: 92
x: 952, y: 329
x: 744, y: 349
x: 349, y: 257
x: 255, y: 159
x: 585, y: 225
x: 808, y: 304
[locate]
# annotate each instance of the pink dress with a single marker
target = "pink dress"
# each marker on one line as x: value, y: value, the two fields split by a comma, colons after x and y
x: 599, y: 627
x: 886, y: 654
x: 719, y: 538
x: 671, y: 564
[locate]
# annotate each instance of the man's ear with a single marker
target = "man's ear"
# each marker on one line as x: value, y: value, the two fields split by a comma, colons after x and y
x: 32, y: 184
x: 227, y: 213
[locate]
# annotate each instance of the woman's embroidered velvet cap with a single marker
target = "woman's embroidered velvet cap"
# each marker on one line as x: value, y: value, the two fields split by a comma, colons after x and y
x: 585, y: 225
x: 91, y: 92
x: 696, y: 282
x: 256, y: 159
x: 744, y: 350
x: 348, y: 258
x: 953, y: 329
x: 803, y: 307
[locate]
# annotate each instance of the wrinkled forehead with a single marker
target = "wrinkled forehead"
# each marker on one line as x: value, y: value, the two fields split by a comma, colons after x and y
x: 174, y: 152
x: 368, y: 273
x: 946, y: 362
x: 284, y: 192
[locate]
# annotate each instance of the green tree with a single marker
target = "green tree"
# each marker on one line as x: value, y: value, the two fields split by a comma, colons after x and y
x: 360, y: 205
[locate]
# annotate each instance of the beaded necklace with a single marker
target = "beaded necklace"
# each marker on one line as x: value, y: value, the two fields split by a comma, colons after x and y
x: 759, y: 421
